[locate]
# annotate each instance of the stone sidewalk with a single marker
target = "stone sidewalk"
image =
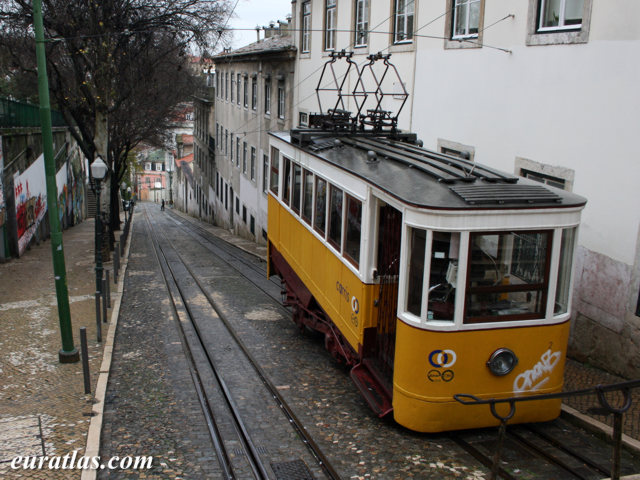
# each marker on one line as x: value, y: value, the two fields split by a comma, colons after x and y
x: 43, y: 407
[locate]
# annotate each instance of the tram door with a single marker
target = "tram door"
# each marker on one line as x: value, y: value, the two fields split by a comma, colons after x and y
x: 390, y: 229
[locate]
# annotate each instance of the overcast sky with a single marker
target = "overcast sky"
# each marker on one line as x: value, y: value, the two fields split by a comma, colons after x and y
x: 249, y: 13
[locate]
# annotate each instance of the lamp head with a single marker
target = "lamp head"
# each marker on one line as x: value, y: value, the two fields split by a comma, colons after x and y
x: 99, y: 168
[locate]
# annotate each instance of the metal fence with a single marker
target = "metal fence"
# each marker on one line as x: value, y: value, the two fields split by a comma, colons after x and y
x: 14, y: 113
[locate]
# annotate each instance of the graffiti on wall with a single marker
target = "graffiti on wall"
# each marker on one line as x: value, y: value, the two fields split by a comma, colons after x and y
x: 31, y: 201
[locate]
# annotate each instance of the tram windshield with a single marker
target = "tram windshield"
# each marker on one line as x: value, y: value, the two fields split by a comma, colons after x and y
x: 507, y: 276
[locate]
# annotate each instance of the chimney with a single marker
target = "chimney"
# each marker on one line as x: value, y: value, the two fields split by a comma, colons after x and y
x: 257, y: 33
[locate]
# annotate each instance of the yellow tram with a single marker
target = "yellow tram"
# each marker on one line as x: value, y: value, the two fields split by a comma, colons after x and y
x: 428, y: 274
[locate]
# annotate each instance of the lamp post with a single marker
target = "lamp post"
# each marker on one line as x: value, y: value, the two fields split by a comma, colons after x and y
x: 170, y: 172
x: 98, y: 172
x: 68, y: 353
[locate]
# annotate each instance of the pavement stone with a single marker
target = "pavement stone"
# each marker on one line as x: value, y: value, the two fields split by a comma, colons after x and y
x: 35, y: 387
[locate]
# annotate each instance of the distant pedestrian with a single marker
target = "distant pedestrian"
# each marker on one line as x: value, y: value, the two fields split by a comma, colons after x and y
x: 162, y: 205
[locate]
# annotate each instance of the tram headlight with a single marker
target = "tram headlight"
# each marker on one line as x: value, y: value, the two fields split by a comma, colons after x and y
x: 502, y: 361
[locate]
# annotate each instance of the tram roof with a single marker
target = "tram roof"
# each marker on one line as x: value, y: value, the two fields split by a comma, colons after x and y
x: 428, y: 179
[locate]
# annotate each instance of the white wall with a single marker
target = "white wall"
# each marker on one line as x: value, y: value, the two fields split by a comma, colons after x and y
x: 574, y: 106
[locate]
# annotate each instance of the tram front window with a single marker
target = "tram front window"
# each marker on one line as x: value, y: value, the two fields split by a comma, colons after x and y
x: 507, y: 276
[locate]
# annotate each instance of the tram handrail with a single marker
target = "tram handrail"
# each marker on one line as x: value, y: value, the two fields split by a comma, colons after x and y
x: 598, y: 390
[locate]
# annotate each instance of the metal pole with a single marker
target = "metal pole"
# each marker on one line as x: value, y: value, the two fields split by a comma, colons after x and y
x: 98, y: 323
x: 68, y: 353
x: 108, y: 286
x: 85, y: 359
x: 98, y: 224
x: 116, y: 262
x: 104, y: 301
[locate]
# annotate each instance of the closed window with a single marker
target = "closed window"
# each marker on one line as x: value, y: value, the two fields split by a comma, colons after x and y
x: 239, y: 81
x: 557, y: 22
x: 281, y: 100
x: 361, y: 23
x: 233, y: 86
x: 507, y: 276
x: 275, y: 174
x: 466, y: 19
x: 238, y: 152
x: 286, y: 181
x: 244, y: 157
x: 320, y: 218
x: 265, y: 173
x: 330, y: 25
x: 403, y: 21
x: 307, y: 196
x: 297, y: 186
x: 560, y: 15
x: 245, y: 91
x: 254, y: 93
x: 253, y: 163
x: 305, y: 39
x: 267, y: 97
x: 232, y: 143
x: 352, y: 231
x: 335, y: 217
x: 226, y: 86
x: 303, y: 119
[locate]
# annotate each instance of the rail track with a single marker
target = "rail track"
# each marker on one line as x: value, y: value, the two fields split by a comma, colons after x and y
x: 559, y: 449
x: 231, y: 432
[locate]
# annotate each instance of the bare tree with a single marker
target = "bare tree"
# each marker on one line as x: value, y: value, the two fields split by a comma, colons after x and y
x: 117, y: 68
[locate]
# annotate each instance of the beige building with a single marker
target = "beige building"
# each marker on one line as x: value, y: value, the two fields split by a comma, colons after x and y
x: 254, y: 87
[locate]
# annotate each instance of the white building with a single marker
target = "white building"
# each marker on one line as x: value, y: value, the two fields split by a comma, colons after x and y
x: 543, y: 88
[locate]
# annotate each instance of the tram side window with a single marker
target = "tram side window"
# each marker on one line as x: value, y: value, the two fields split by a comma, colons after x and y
x: 443, y: 275
x: 564, y: 271
x: 352, y: 230
x: 307, y: 196
x: 507, y: 276
x: 321, y: 206
x: 297, y: 180
x: 335, y: 217
x: 416, y: 271
x: 286, y: 181
x: 275, y: 174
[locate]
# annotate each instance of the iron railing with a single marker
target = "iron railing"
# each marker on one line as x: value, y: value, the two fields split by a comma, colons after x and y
x: 606, y: 408
x: 14, y: 113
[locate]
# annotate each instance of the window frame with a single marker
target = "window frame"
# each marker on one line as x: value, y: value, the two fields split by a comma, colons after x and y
x: 305, y: 31
x: 244, y: 157
x: 267, y: 97
x: 361, y: 23
x: 542, y: 287
x: 281, y: 100
x: 452, y: 41
x: 565, y: 36
x: 254, y: 93
x: 322, y: 231
x: 340, y: 223
x: 274, y: 171
x: 305, y: 184
x: 330, y: 25
x: 252, y: 163
x: 347, y: 201
x: 408, y: 19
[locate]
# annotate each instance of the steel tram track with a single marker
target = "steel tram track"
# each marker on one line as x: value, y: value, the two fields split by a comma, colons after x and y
x: 223, y: 249
x: 557, y: 457
x: 258, y: 466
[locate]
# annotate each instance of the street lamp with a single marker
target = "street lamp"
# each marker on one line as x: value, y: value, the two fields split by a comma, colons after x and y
x: 170, y: 172
x: 98, y: 172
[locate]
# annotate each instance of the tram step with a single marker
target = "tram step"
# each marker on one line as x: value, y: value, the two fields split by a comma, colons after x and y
x: 371, y: 390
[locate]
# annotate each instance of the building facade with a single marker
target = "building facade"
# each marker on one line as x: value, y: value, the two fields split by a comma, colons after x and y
x: 254, y: 87
x: 540, y: 88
